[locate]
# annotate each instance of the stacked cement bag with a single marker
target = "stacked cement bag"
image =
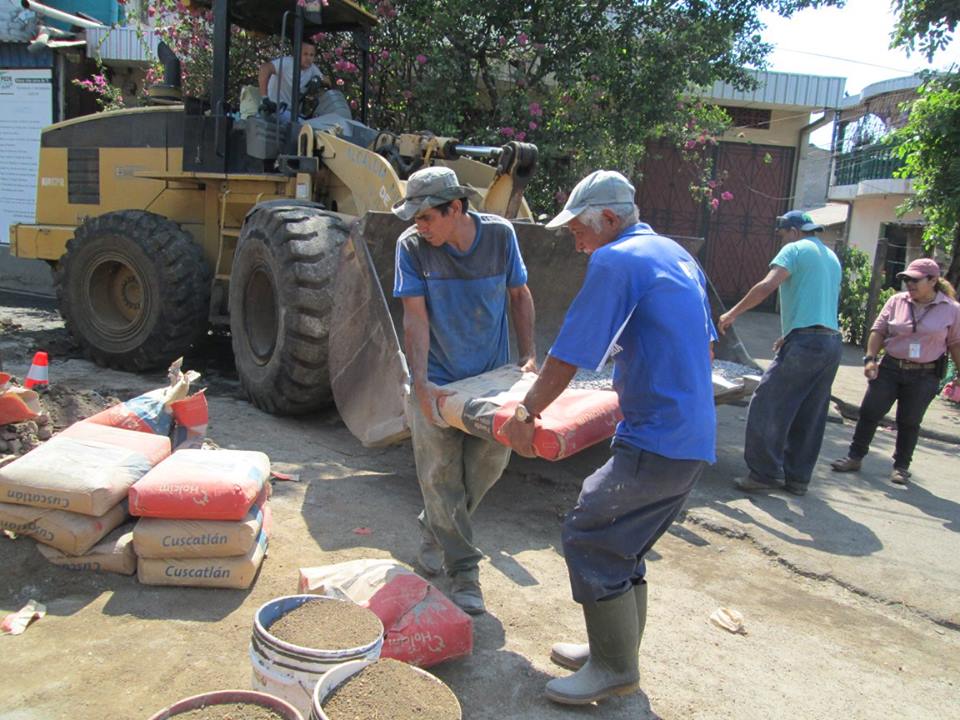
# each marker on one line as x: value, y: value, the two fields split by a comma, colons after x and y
x: 204, y: 519
x: 70, y: 492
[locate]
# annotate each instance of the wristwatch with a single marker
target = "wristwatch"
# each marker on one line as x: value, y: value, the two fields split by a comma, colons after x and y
x: 869, y: 359
x: 521, y: 414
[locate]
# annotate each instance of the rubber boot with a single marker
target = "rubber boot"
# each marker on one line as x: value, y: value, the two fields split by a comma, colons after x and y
x: 573, y: 655
x: 613, y: 666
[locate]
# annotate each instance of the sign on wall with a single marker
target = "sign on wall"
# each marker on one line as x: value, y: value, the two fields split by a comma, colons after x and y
x: 26, y: 106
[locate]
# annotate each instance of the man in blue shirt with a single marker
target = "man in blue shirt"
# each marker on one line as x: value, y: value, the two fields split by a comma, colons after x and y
x: 788, y: 411
x: 644, y: 304
x: 455, y: 271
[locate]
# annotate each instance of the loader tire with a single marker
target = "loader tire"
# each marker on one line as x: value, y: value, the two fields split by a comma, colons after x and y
x: 133, y: 289
x: 281, y: 294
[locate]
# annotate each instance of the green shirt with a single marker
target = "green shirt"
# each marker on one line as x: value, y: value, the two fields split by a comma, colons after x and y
x: 811, y: 294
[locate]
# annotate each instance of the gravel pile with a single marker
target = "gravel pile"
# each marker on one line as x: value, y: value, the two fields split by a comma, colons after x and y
x: 731, y: 370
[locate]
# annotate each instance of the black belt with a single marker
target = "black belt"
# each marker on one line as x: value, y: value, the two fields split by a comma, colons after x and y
x: 815, y: 330
x: 907, y: 364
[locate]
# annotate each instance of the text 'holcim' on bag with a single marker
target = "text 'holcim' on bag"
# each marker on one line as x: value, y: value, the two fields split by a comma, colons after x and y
x: 423, y: 626
x: 201, y: 485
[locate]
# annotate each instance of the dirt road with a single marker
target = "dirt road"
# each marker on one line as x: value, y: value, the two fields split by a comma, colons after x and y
x: 818, y: 644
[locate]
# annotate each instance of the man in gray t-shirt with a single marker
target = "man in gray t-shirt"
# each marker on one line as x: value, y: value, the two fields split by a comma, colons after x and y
x: 276, y: 76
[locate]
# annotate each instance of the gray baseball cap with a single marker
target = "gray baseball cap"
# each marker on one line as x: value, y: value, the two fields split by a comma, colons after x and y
x: 601, y: 188
x: 430, y: 187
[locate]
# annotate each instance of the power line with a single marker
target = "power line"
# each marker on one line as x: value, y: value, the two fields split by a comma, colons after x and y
x: 843, y: 59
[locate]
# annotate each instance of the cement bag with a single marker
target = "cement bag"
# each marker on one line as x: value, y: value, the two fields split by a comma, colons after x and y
x: 576, y: 420
x: 85, y: 469
x: 190, y: 418
x: 162, y: 538
x: 201, y: 485
x: 112, y: 554
x: 152, y: 411
x: 231, y: 572
x: 68, y: 532
x: 423, y: 626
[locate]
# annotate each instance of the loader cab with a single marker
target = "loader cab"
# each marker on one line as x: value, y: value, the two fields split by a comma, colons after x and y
x: 215, y: 140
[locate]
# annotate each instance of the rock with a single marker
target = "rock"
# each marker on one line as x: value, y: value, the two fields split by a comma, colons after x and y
x: 44, y: 433
x: 14, y: 446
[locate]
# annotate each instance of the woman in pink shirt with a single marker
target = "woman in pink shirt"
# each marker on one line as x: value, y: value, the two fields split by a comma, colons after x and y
x: 915, y: 330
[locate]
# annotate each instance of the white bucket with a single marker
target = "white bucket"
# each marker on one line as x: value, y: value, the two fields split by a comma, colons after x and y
x: 329, y: 682
x: 289, y: 671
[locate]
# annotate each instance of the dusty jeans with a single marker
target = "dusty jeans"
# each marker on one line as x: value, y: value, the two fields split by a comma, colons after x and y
x: 455, y: 471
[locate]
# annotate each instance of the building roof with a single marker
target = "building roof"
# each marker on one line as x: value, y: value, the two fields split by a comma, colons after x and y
x: 778, y: 89
x: 830, y: 214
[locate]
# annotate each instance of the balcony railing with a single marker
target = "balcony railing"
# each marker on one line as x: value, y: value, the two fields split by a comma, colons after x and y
x: 871, y: 162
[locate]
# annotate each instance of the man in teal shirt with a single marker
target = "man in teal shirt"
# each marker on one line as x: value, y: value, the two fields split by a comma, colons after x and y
x: 788, y: 411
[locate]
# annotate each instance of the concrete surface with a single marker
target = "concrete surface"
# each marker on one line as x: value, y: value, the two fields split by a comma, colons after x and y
x: 31, y: 276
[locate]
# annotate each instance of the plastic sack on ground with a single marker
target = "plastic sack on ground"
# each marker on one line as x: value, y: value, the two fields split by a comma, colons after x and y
x: 576, y: 420
x: 71, y: 533
x: 163, y: 538
x: 423, y: 626
x: 85, y: 469
x: 201, y: 485
x: 17, y: 404
x: 150, y: 412
x: 112, y: 554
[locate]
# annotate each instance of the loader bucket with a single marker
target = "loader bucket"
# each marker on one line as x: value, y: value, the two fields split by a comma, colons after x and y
x: 366, y: 366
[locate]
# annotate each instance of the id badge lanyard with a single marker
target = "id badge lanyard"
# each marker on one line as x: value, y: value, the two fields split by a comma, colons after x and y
x: 915, y: 346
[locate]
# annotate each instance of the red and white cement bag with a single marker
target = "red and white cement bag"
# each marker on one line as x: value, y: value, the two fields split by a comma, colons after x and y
x: 228, y: 572
x: 201, y: 485
x: 190, y: 418
x: 71, y: 533
x: 85, y: 469
x: 112, y: 554
x: 163, y: 538
x: 576, y: 420
x: 423, y: 626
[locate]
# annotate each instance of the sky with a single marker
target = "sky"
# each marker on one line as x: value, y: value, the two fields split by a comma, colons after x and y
x: 856, y: 38
x: 852, y: 42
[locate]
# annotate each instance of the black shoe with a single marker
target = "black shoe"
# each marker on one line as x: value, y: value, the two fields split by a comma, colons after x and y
x: 751, y: 484
x: 797, y: 489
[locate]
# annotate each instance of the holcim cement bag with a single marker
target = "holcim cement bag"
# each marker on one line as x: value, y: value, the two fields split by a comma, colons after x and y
x: 576, y: 420
x: 423, y: 626
x: 190, y: 418
x: 201, y: 485
x: 112, y: 554
x: 86, y: 469
x: 69, y: 532
x: 162, y: 538
x: 229, y: 572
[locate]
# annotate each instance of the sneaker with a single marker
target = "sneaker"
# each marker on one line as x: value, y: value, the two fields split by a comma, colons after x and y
x: 751, y: 484
x: 899, y: 476
x: 430, y: 554
x: 798, y: 489
x: 847, y: 464
x: 467, y: 596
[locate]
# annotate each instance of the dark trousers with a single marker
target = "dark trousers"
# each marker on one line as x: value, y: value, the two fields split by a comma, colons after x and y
x: 913, y: 391
x: 623, y: 509
x: 788, y: 411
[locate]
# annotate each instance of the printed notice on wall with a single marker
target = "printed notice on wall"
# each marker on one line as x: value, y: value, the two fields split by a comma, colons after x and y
x: 26, y: 106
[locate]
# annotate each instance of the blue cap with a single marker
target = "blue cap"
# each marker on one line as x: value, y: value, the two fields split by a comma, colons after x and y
x: 800, y: 220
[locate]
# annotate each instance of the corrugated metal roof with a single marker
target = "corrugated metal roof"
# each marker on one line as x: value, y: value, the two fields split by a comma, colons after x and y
x: 783, y: 89
x: 15, y: 55
x: 122, y: 44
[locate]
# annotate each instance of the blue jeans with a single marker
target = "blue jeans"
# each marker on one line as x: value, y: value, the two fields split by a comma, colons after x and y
x: 788, y: 412
x: 623, y: 509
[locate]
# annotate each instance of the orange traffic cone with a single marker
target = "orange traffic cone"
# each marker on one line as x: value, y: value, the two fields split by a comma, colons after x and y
x: 39, y: 372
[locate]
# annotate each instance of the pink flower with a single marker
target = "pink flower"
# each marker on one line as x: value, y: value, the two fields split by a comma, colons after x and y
x: 715, y: 203
x: 726, y: 195
x: 522, y: 39
x: 507, y: 131
x: 560, y: 197
x: 353, y: 104
x: 384, y: 54
x: 711, y: 184
x: 407, y: 94
x: 422, y: 59
x: 521, y: 136
x: 532, y: 125
x: 501, y: 41
x: 535, y: 109
x: 338, y: 51
x: 339, y: 82
x: 151, y: 11
x: 690, y: 144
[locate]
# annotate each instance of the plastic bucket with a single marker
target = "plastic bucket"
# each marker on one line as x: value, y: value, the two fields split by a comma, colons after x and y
x: 225, y: 697
x: 290, y: 671
x: 329, y: 682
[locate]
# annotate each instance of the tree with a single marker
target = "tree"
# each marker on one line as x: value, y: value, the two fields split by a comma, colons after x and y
x: 929, y: 23
x: 929, y: 145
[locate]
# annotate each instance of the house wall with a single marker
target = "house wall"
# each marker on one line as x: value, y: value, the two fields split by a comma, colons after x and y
x: 784, y: 129
x: 866, y: 216
x: 812, y: 178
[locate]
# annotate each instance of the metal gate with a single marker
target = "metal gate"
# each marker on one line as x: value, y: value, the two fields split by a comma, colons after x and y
x: 740, y: 235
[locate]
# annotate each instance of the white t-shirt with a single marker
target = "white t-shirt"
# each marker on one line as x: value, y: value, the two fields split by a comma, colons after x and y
x: 286, y: 88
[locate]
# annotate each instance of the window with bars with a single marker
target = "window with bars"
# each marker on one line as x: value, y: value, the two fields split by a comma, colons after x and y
x: 752, y: 118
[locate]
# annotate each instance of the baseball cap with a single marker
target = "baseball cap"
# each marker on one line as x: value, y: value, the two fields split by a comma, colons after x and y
x: 800, y: 220
x: 600, y: 188
x: 921, y: 268
x: 430, y: 187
